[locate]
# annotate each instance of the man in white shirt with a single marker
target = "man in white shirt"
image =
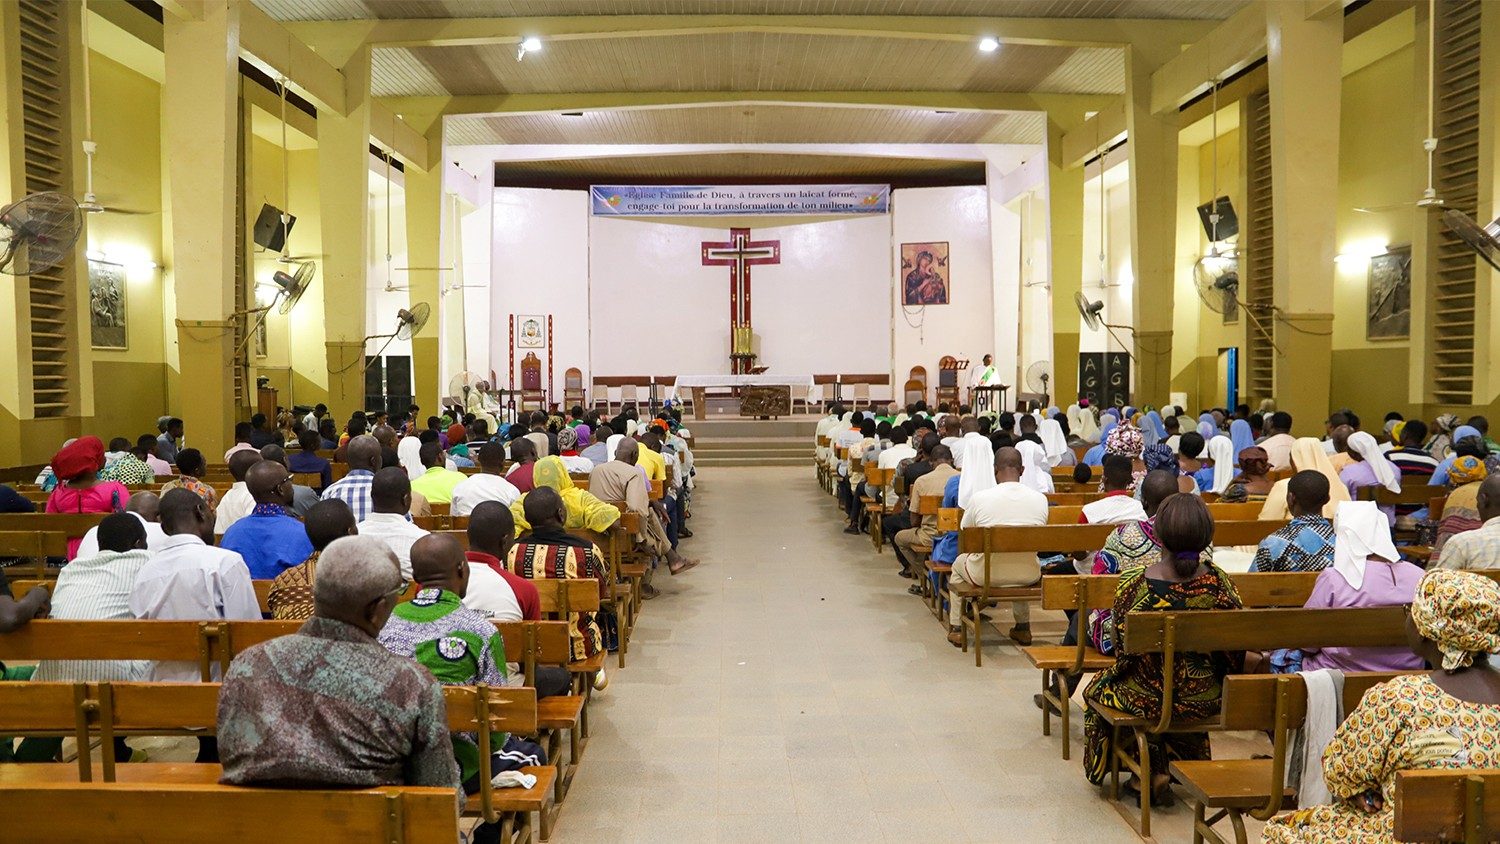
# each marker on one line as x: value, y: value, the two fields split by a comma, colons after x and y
x: 827, y: 426
x: 237, y: 502
x: 314, y: 418
x: 1278, y: 445
x: 900, y: 449
x: 190, y: 579
x: 488, y: 485
x: 145, y: 506
x: 1118, y: 504
x: 390, y: 502
x: 1008, y: 503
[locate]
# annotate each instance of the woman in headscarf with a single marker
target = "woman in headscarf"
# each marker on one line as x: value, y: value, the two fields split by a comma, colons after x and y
x: 1253, y: 482
x: 567, y: 444
x: 79, y: 489
x: 1055, y: 443
x: 1307, y: 454
x: 1460, y: 434
x: 1369, y: 468
x: 409, y: 451
x: 1221, y: 452
x: 1160, y: 458
x: 1440, y: 445
x: 1034, y: 471
x: 978, y: 476
x: 1126, y: 440
x: 1448, y: 717
x: 1087, y: 429
x: 1461, y: 509
x: 1241, y: 435
x: 1095, y: 455
x: 1153, y: 426
x: 585, y: 511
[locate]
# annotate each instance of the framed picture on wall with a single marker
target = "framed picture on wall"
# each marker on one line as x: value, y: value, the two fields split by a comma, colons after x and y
x: 925, y: 274
x: 1388, y: 315
x: 531, y: 332
x: 107, y: 327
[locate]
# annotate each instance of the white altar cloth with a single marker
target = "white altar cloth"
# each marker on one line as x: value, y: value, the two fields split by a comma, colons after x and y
x: 764, y: 379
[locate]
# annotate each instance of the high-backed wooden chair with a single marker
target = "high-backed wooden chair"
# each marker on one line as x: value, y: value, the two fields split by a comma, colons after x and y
x: 947, y: 389
x: 913, y: 392
x: 533, y: 397
x: 573, y: 386
x: 919, y: 373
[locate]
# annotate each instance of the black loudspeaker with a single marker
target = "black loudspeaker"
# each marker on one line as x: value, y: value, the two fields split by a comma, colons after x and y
x: 397, y: 383
x: 1229, y: 224
x: 269, y: 233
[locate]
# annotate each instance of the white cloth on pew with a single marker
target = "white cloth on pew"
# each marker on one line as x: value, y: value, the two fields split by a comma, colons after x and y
x: 513, y: 779
x: 1325, y: 701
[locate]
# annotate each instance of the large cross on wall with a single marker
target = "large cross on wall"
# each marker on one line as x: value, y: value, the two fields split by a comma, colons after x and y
x: 740, y: 253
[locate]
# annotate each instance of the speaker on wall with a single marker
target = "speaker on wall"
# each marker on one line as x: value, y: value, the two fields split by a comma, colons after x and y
x: 269, y: 233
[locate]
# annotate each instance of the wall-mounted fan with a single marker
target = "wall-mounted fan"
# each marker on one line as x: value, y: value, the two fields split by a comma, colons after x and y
x: 409, y: 323
x: 289, y: 289
x: 1484, y: 240
x: 1039, y: 379
x: 38, y: 232
x: 1092, y: 313
x: 1217, y: 278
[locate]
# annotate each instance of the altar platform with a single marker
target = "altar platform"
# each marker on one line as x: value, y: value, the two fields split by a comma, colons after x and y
x: 738, y: 441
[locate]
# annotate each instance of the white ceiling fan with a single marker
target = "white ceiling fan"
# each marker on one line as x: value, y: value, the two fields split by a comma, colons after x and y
x: 91, y: 203
x: 1430, y: 198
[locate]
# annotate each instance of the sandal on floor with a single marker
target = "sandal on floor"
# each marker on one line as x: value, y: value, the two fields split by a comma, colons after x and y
x: 913, y: 589
x: 1041, y: 702
x: 1162, y: 799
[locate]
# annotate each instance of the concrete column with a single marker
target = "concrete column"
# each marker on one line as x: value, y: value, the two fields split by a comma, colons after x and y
x: 1065, y: 231
x: 1153, y: 209
x: 343, y: 190
x: 1305, y: 79
x: 424, y: 212
x: 200, y: 110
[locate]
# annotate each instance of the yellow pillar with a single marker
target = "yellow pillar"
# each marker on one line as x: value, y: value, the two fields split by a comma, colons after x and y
x: 200, y: 110
x: 424, y: 211
x: 343, y: 189
x: 1153, y: 194
x: 1065, y: 229
x: 1305, y: 80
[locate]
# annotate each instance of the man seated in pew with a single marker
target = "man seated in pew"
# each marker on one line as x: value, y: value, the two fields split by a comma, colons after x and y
x: 620, y: 480
x: 991, y: 494
x: 1278, y: 443
x: 14, y: 502
x: 191, y: 467
x: 908, y: 470
x: 1447, y: 718
x: 1178, y: 579
x: 1478, y: 548
x: 523, y: 457
x: 488, y: 484
x: 291, y: 594
x: 892, y: 456
x: 364, y: 460
x: 128, y: 465
x: 1367, y: 571
x: 547, y: 550
x: 146, y: 507
x: 437, y: 481
x: 923, y: 531
x: 328, y: 705
x: 303, y: 497
x: 237, y: 502
x: 270, y: 539
x: 1306, y: 542
x: 460, y: 647
x: 95, y: 587
x: 307, y: 461
x: 1119, y: 503
x: 389, y: 519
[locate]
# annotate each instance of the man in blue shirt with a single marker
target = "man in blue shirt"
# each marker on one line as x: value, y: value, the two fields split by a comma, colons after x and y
x: 307, y: 460
x: 270, y: 540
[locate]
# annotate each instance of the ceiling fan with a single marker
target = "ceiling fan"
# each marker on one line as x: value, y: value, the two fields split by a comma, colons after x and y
x: 91, y: 203
x: 1430, y: 198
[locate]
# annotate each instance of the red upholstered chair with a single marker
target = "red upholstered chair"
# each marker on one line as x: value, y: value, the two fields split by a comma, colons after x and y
x: 533, y: 397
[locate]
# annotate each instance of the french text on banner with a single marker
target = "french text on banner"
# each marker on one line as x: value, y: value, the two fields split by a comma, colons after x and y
x: 737, y: 200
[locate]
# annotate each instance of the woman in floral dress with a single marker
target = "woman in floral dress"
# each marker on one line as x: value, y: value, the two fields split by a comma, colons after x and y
x: 1448, y: 718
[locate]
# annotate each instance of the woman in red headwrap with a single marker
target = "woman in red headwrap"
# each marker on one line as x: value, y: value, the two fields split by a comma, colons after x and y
x: 79, y: 489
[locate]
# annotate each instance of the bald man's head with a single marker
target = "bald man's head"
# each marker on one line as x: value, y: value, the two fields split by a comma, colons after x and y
x: 363, y: 452
x: 385, y: 435
x: 147, y: 505
x: 1008, y: 465
x: 241, y: 461
x: 492, y: 528
x: 628, y: 451
x: 1157, y: 487
x: 269, y: 483
x: 1489, y: 498
x: 437, y: 562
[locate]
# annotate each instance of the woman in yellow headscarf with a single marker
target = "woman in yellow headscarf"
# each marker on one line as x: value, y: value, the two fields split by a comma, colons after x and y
x: 1461, y: 508
x: 1307, y: 453
x: 585, y: 511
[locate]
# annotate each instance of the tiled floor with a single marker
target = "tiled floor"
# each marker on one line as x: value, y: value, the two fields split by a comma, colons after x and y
x: 789, y: 689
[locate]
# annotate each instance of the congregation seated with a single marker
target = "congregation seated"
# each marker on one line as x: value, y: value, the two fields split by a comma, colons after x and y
x: 191, y: 468
x: 1179, y: 579
x: 270, y: 539
x: 488, y: 484
x: 1471, y: 519
x: 306, y: 459
x: 79, y: 488
x: 389, y: 518
x: 582, y: 509
x: 436, y: 482
x: 1306, y: 542
x: 146, y: 507
x: 291, y: 595
x: 126, y: 463
x: 1446, y: 718
x: 928, y: 483
x: 303, y: 496
x: 328, y: 706
x: 546, y: 550
x: 237, y: 502
x: 460, y: 647
x: 622, y: 479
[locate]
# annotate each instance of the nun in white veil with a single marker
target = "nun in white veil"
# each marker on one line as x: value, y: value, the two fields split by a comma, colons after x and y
x: 978, y: 473
x: 409, y: 450
x: 1055, y: 444
x: 1034, y: 470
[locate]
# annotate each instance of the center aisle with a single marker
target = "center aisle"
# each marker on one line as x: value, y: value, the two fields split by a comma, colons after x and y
x: 789, y: 689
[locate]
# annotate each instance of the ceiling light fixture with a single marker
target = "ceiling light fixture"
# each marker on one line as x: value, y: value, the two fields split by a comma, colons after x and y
x: 988, y: 45
x: 531, y: 44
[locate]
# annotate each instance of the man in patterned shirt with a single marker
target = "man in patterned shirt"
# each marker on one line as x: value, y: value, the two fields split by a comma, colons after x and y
x: 460, y: 647
x: 1306, y: 542
x: 327, y: 705
x: 363, y: 456
x: 291, y: 595
x: 131, y: 466
x: 191, y: 464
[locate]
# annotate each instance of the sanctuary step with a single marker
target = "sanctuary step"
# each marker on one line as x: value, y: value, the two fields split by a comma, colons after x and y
x: 752, y: 451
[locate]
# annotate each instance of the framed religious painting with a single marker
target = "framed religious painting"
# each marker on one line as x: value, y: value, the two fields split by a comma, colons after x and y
x: 1388, y: 313
x: 925, y: 274
x: 107, y: 326
x: 531, y: 332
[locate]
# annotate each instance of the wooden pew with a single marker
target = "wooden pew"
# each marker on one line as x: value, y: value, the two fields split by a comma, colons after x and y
x: 105, y: 710
x: 875, y: 508
x: 181, y: 813
x: 1057, y: 538
x: 1269, y: 703
x: 1448, y: 805
x: 1204, y: 631
x: 35, y: 545
x: 1084, y: 593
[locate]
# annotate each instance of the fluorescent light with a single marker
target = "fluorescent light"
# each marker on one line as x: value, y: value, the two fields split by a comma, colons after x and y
x: 532, y: 44
x: 988, y: 45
